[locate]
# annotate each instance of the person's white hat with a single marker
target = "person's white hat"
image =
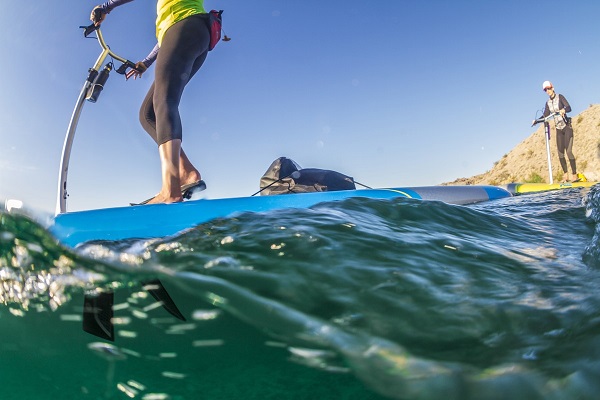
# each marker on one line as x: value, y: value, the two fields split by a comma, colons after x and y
x: 546, y: 85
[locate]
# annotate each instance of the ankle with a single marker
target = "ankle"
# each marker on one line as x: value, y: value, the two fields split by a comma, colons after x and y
x: 189, y: 177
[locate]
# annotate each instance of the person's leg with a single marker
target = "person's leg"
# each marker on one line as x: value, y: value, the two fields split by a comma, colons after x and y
x: 169, y: 160
x: 147, y: 116
x: 182, y: 53
x: 569, y: 150
x: 187, y: 172
x: 560, y: 146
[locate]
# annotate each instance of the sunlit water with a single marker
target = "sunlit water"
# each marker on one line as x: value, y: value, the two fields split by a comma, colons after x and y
x: 360, y: 299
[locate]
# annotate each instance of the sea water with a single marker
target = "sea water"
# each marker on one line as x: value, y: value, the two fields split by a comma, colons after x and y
x: 358, y: 299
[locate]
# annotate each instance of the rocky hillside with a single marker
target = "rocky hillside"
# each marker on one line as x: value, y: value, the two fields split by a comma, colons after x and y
x: 527, y: 162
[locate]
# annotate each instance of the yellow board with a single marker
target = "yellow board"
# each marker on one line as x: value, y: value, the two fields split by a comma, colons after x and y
x: 520, y: 188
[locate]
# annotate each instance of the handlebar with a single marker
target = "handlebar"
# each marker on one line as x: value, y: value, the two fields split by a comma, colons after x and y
x: 549, y: 117
x: 88, y: 30
x: 97, y: 78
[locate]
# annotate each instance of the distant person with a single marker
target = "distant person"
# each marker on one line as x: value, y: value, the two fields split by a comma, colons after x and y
x: 183, y: 39
x: 557, y: 104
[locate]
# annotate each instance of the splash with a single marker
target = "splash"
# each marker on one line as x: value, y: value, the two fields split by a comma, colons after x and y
x: 591, y: 255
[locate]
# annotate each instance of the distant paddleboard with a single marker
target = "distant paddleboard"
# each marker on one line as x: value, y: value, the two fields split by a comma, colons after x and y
x: 523, y: 188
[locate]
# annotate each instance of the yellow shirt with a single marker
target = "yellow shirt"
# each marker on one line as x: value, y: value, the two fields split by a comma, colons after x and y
x: 168, y: 12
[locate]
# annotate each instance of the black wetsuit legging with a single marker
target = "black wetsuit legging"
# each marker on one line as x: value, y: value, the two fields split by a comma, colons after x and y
x: 182, y: 52
x: 564, y: 143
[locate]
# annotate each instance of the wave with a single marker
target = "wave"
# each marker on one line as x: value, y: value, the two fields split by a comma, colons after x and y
x: 416, y: 299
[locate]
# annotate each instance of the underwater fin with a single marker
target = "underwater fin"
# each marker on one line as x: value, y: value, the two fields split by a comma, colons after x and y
x: 158, y: 291
x: 98, y: 314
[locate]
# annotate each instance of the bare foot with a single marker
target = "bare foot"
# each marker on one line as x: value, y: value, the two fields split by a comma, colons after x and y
x: 162, y: 199
x: 187, y: 172
x: 187, y: 179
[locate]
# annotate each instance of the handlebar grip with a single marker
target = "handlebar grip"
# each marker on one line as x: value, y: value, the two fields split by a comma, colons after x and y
x: 88, y: 29
x: 123, y: 68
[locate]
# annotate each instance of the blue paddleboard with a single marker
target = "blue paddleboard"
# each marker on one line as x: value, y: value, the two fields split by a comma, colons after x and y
x: 159, y: 220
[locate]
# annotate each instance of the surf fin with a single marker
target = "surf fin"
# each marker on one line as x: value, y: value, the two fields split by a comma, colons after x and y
x: 98, y: 314
x: 158, y: 291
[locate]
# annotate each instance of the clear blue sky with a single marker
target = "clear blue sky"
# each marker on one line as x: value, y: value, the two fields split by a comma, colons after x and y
x: 391, y: 92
